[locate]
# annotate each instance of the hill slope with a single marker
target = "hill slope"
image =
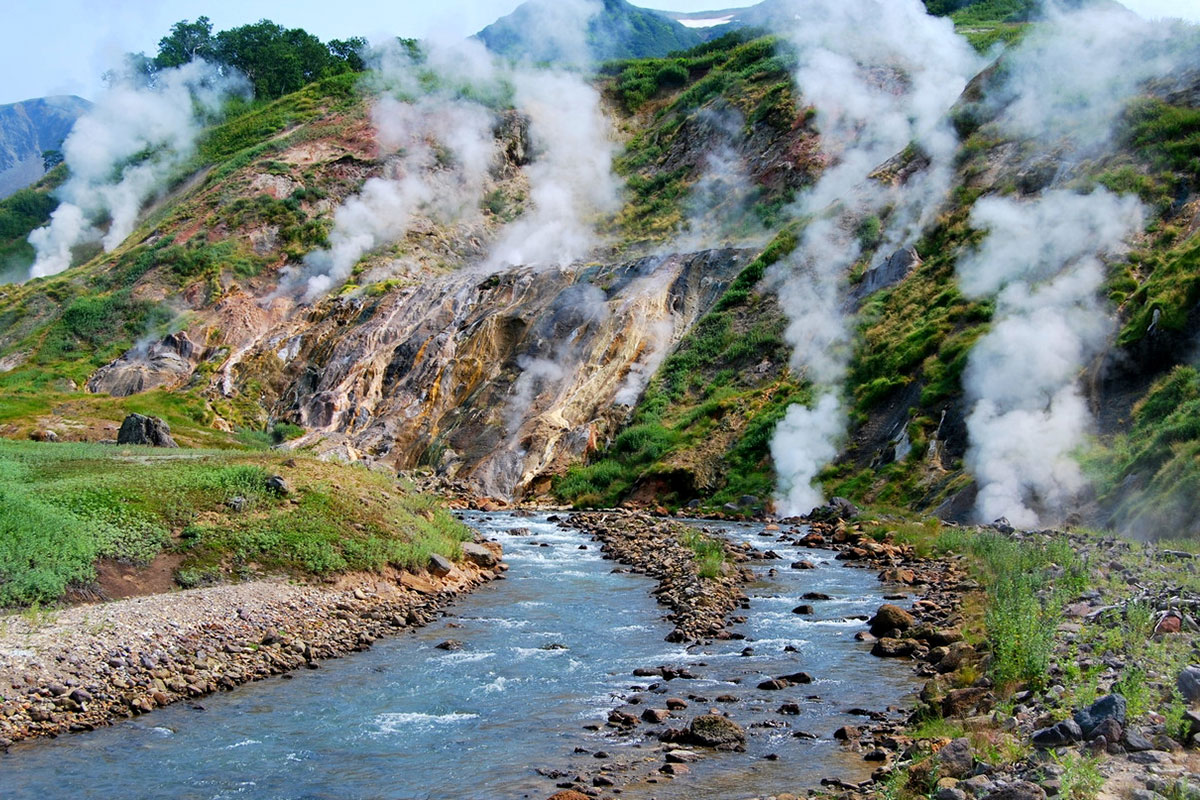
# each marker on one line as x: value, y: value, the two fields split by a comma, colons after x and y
x: 655, y: 367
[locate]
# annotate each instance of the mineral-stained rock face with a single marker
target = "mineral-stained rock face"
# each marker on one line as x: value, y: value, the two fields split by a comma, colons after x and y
x: 498, y: 380
x: 166, y: 363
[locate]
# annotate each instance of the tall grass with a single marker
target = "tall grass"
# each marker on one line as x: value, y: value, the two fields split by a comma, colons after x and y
x: 708, y: 552
x: 1027, y: 585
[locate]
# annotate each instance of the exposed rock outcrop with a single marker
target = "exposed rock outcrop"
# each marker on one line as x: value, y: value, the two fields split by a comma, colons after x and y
x: 142, y: 430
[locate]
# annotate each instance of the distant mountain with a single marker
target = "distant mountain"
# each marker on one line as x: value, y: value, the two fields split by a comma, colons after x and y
x: 771, y: 14
x: 619, y: 30
x: 29, y: 128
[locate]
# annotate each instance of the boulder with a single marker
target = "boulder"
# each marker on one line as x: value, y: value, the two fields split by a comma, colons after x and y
x: 439, y: 565
x: 894, y: 648
x: 803, y: 609
x: 1188, y: 683
x: 143, y: 430
x: 1058, y: 735
x: 569, y: 794
x: 279, y: 485
x: 1018, y: 790
x: 961, y: 702
x: 479, y: 555
x: 1111, y: 707
x: 1136, y: 742
x: 713, y: 730
x: 955, y: 760
x: 450, y: 645
x: 890, y: 618
x: 655, y: 716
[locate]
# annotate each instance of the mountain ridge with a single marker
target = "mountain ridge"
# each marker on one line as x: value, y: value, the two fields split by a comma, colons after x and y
x: 28, y: 129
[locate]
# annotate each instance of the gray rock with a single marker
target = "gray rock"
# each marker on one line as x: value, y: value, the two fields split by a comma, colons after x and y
x: 279, y: 485
x: 1189, y: 683
x: 1058, y: 735
x: 143, y: 430
x: 1136, y: 742
x: 1018, y: 790
x: 439, y: 565
x: 949, y: 793
x: 1111, y: 707
x: 955, y: 759
x: 977, y: 785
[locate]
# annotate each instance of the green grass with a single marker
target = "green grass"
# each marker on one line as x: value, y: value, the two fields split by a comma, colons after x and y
x: 250, y: 124
x: 1027, y: 585
x: 708, y: 552
x: 64, y: 506
x: 1161, y: 450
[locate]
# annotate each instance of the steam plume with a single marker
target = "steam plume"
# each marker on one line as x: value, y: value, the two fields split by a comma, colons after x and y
x: 122, y: 152
x: 881, y: 76
x: 571, y: 179
x: 1028, y: 413
x: 1064, y: 87
x: 441, y: 148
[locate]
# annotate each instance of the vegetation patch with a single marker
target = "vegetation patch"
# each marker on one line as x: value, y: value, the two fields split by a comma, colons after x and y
x: 66, y: 505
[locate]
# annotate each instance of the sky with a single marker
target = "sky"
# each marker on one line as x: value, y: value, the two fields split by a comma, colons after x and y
x: 52, y: 47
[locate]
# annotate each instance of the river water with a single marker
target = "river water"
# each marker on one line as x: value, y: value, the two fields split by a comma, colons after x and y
x: 548, y: 651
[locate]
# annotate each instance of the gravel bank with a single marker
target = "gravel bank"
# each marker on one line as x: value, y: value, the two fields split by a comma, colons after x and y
x: 87, y: 666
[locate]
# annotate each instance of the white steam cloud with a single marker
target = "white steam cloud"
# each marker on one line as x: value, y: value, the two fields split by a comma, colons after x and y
x: 1074, y: 76
x: 122, y: 152
x: 1027, y: 411
x: 571, y: 181
x: 1065, y: 87
x: 441, y: 146
x: 881, y: 74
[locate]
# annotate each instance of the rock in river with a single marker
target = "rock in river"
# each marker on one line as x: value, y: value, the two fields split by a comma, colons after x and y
x: 713, y: 730
x: 890, y: 618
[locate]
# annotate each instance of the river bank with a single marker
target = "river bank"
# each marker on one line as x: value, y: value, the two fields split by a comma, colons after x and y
x: 88, y: 666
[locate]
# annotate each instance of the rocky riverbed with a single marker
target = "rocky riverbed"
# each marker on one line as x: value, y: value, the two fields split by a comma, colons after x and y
x: 1074, y: 734
x: 672, y: 726
x: 655, y: 546
x: 87, y: 666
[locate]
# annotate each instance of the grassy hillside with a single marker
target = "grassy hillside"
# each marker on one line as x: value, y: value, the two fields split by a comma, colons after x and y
x: 208, y: 516
x: 702, y: 431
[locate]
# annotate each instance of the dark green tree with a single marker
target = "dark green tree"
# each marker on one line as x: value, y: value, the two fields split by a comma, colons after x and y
x: 350, y: 51
x: 186, y: 42
x: 276, y: 60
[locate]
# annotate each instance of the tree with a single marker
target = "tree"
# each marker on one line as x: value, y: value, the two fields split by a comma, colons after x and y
x: 186, y: 42
x: 349, y: 51
x: 276, y: 60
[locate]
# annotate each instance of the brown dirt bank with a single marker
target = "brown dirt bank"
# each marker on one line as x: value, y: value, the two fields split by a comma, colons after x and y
x: 88, y: 666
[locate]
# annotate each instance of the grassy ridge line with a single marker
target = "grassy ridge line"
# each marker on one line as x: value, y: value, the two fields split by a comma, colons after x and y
x: 64, y: 506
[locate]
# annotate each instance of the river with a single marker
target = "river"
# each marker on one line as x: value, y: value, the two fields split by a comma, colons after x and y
x: 547, y: 651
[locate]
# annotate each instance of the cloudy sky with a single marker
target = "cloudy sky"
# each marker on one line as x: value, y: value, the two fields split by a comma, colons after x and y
x: 62, y: 46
